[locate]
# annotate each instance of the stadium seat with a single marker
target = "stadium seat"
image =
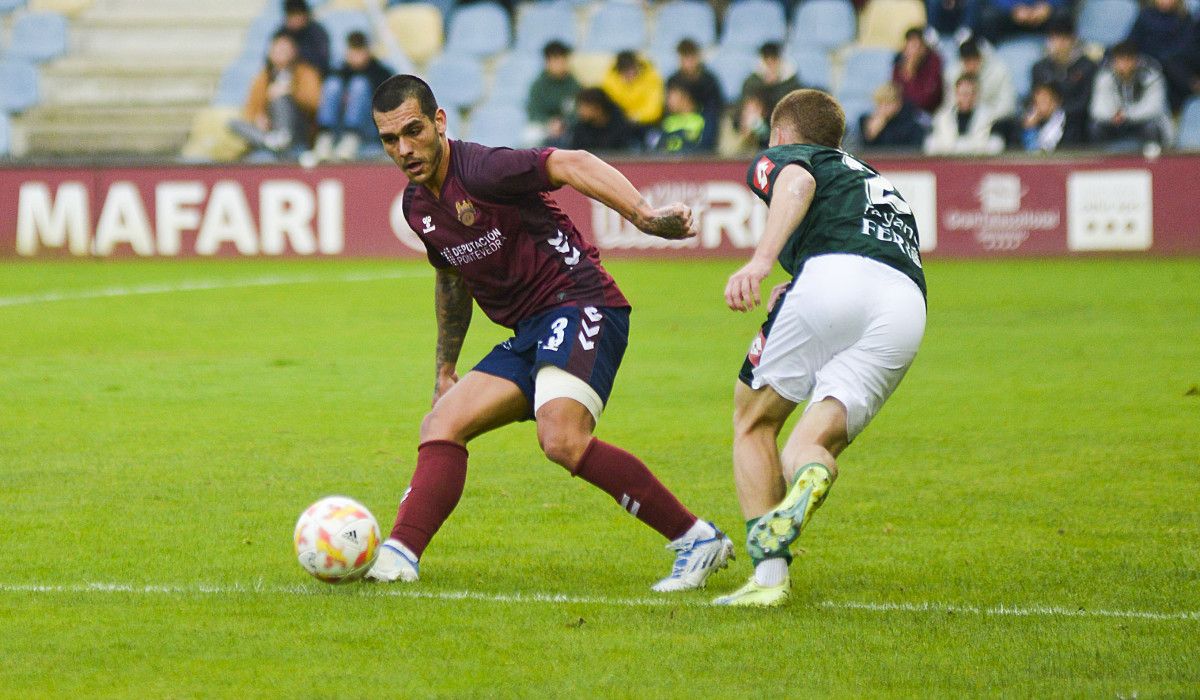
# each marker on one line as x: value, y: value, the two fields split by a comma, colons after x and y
x: 258, y: 36
x: 732, y: 65
x: 865, y: 69
x: 1189, y: 125
x: 38, y: 36
x: 339, y: 24
x: 5, y: 135
x: 616, y: 26
x: 665, y: 60
x: 680, y: 19
x: 234, y: 86
x: 751, y: 23
x: 456, y: 79
x: 515, y: 72
x: 70, y: 8
x: 812, y: 67
x: 590, y: 67
x: 210, y: 140
x: 825, y: 24
x: 497, y: 124
x: 418, y: 29
x: 1106, y: 22
x: 18, y: 85
x: 1019, y: 55
x: 479, y: 30
x: 539, y: 23
x: 10, y: 5
x: 883, y: 23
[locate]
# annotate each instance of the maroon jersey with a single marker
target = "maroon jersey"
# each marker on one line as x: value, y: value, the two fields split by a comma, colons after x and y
x: 497, y: 225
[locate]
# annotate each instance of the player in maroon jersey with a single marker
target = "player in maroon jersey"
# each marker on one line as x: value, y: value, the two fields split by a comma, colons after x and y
x: 495, y: 235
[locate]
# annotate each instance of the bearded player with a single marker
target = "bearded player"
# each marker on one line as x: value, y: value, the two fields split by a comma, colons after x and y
x: 839, y: 337
x: 495, y: 236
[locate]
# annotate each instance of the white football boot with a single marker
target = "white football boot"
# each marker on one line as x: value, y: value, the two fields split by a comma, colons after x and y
x: 701, y: 551
x: 394, y: 563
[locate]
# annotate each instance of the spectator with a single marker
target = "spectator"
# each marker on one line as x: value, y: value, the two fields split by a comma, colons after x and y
x: 636, y: 88
x: 344, y: 116
x: 280, y: 109
x: 1183, y: 68
x: 697, y: 79
x: 772, y: 80
x: 1129, y: 101
x: 1161, y: 29
x: 963, y: 125
x: 996, y: 91
x: 683, y: 127
x: 894, y: 123
x: 1044, y: 126
x: 1068, y: 68
x: 999, y: 19
x: 552, y: 95
x: 918, y: 71
x: 600, y: 125
x: 753, y: 125
x: 311, y: 38
x: 953, y: 18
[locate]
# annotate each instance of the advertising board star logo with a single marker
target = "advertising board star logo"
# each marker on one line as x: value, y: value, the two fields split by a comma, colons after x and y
x: 466, y: 212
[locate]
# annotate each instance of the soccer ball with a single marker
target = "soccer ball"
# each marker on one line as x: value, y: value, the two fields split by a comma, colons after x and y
x: 337, y: 539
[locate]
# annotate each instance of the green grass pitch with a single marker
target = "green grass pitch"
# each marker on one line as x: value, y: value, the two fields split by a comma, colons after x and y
x: 1021, y: 520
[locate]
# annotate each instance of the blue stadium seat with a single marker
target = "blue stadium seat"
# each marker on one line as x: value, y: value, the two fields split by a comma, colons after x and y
x: 339, y: 24
x: 825, y: 24
x: 1019, y: 54
x: 539, y: 23
x: 38, y: 36
x: 680, y: 19
x: 732, y: 65
x: 456, y: 79
x: 1189, y: 125
x: 1106, y: 22
x: 865, y: 69
x: 5, y: 139
x: 18, y: 85
x: 616, y: 26
x: 7, y: 6
x: 258, y: 35
x: 480, y: 30
x: 234, y: 86
x: 515, y: 72
x: 812, y: 66
x: 751, y: 23
x: 665, y: 60
x: 497, y: 124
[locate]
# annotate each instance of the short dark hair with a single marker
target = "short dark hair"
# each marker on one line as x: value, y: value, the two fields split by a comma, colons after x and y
x: 686, y: 90
x: 555, y: 48
x: 293, y: 7
x: 771, y: 49
x: 918, y: 32
x: 1061, y: 25
x: 356, y: 39
x: 596, y: 97
x: 1127, y: 49
x: 1049, y: 87
x: 816, y: 116
x: 687, y: 46
x: 970, y: 49
x: 627, y: 60
x: 282, y: 34
x: 397, y: 89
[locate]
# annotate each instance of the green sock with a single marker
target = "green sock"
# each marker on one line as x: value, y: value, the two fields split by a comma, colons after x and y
x: 787, y: 556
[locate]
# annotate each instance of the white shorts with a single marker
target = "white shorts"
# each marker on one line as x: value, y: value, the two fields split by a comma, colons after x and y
x: 848, y: 329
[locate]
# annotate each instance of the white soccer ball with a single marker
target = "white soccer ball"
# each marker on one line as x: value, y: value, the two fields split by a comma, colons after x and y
x: 337, y: 539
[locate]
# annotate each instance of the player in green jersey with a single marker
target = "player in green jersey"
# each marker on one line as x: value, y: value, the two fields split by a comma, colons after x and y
x: 838, y: 337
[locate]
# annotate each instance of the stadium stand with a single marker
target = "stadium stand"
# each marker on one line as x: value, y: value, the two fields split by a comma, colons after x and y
x: 417, y: 27
x: 812, y: 66
x: 1019, y: 54
x: 235, y: 81
x: 38, y: 36
x: 615, y: 27
x: 456, y: 80
x: 1105, y: 22
x: 751, y: 23
x: 7, y: 6
x: 19, y: 88
x: 68, y: 8
x: 1189, y: 125
x: 680, y: 19
x: 824, y: 24
x: 339, y: 23
x: 479, y: 30
x: 5, y: 134
x: 497, y: 124
x: 514, y: 74
x: 539, y: 23
x: 732, y: 65
x: 884, y: 22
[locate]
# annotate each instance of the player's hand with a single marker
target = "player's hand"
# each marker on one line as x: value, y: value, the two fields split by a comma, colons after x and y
x: 673, y: 222
x: 444, y: 382
x: 743, y: 291
x: 776, y: 292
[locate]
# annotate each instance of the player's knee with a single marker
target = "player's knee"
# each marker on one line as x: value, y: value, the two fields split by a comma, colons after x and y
x: 436, y: 425
x: 563, y: 446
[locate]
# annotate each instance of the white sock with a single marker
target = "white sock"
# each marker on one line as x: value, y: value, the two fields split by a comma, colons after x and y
x: 771, y: 572
x: 699, y: 530
x: 404, y: 551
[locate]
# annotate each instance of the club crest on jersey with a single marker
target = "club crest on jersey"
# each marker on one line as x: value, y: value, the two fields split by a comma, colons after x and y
x: 466, y: 212
x: 762, y: 174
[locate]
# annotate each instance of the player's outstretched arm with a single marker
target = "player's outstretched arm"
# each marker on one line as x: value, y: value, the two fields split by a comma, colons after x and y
x: 452, y: 302
x: 592, y: 177
x: 794, y: 188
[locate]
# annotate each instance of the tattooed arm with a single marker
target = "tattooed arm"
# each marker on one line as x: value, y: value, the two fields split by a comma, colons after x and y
x: 600, y: 181
x: 453, y: 306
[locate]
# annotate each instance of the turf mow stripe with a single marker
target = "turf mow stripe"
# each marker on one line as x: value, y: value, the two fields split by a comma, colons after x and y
x: 259, y: 588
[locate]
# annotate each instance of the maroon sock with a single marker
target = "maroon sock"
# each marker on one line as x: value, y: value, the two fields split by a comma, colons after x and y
x: 630, y: 483
x: 435, y: 489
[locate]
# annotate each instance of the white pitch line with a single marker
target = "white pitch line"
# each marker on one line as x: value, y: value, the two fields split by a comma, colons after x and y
x: 259, y: 588
x: 200, y: 286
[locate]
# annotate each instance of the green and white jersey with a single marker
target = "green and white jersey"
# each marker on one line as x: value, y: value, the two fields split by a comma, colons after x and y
x: 855, y: 210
